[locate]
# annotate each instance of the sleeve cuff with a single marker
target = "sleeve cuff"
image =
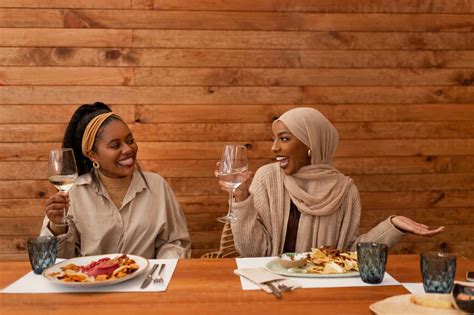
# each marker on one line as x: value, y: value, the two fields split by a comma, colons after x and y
x: 388, y: 233
x: 240, y: 207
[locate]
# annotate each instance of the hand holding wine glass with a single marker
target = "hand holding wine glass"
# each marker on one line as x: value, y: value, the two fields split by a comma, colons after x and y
x: 62, y: 173
x: 233, y: 169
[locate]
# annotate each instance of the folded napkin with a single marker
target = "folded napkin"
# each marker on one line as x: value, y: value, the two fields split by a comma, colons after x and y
x: 260, y: 275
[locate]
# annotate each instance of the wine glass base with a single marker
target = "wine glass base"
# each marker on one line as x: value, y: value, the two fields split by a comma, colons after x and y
x: 227, y: 219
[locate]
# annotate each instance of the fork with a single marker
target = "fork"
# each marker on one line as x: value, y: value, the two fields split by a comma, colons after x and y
x: 159, y: 277
x: 283, y: 287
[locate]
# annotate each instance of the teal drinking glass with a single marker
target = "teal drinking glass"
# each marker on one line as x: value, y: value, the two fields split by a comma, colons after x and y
x: 438, y: 271
x: 372, y: 258
x: 42, y: 252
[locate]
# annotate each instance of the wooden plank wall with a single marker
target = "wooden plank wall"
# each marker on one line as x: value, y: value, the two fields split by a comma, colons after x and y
x: 395, y: 77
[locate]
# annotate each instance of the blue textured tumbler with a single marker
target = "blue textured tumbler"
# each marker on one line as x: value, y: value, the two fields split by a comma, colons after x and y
x: 42, y: 252
x: 438, y: 271
x: 372, y: 258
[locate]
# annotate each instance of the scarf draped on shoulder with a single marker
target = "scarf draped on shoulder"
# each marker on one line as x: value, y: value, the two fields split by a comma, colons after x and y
x: 317, y: 189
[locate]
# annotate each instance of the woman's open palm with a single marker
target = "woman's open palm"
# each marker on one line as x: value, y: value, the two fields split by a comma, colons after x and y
x: 409, y: 226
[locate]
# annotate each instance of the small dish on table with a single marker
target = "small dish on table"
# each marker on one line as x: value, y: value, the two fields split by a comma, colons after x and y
x: 292, y: 260
x: 463, y: 296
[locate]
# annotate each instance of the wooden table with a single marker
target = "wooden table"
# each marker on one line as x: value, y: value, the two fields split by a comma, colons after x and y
x: 209, y: 287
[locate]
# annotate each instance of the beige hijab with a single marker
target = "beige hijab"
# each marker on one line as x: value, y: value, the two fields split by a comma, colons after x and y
x: 317, y: 189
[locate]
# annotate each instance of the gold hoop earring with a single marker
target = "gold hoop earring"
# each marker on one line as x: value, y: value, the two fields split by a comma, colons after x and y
x: 309, y: 153
x: 95, y: 165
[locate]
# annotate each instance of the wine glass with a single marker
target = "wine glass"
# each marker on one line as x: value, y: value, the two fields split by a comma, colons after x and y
x: 232, y: 171
x: 62, y: 172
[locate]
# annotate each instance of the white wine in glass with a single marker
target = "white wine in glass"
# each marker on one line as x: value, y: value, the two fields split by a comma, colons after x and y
x: 232, y: 171
x: 62, y: 172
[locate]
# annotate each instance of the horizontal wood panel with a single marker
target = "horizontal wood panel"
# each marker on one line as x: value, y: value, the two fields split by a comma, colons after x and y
x: 33, y: 37
x: 146, y: 95
x: 246, y: 132
x: 391, y: 202
x: 413, y: 200
x: 457, y: 232
x: 415, y: 147
x: 205, y: 168
x: 327, y: 6
x: 157, y: 19
x: 208, y: 186
x: 386, y: 59
x: 197, y: 224
x: 162, y: 114
x: 53, y: 114
x: 22, y: 207
x: 20, y: 226
x: 460, y: 247
x: 437, y: 217
x: 13, y: 244
x: 299, y: 40
x: 43, y: 56
x: 297, y: 77
x: 405, y: 112
x: 260, y: 149
x: 66, y: 76
x: 262, y: 132
x: 389, y: 95
x: 103, y: 4
x: 335, y: 113
x: 255, y: 58
x: 236, y: 95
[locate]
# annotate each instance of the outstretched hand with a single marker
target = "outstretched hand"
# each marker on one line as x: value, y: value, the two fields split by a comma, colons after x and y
x: 407, y: 225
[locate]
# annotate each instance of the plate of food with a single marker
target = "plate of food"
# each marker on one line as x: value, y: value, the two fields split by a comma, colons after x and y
x: 96, y: 270
x: 322, y: 262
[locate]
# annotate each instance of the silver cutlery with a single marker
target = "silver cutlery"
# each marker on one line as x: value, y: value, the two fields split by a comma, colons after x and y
x: 149, y: 277
x: 283, y: 287
x: 159, y: 277
x: 275, y: 290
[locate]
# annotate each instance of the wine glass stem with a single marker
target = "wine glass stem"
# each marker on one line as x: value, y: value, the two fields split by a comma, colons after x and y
x: 65, y: 212
x: 231, y: 199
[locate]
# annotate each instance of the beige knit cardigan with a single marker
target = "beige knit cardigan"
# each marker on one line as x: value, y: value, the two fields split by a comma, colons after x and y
x: 262, y: 219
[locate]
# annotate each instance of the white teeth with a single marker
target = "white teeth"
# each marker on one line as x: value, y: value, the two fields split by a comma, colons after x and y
x: 283, y: 161
x: 126, y: 162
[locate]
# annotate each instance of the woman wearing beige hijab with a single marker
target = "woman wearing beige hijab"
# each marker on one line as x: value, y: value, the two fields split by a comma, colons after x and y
x: 302, y: 201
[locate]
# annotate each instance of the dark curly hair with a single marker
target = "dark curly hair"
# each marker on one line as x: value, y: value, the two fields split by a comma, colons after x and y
x: 75, y: 131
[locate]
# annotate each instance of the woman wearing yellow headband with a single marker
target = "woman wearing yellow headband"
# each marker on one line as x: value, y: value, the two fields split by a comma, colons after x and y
x: 114, y: 207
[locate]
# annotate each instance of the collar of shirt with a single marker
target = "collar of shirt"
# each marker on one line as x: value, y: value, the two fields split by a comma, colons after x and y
x: 136, y: 185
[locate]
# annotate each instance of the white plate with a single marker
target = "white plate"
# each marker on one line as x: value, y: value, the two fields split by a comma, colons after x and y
x: 400, y: 304
x: 275, y: 267
x: 81, y: 261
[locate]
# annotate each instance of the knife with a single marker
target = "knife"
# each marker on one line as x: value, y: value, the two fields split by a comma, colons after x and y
x: 149, y: 277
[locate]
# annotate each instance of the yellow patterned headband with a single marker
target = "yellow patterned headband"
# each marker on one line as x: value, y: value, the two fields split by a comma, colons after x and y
x: 91, y: 131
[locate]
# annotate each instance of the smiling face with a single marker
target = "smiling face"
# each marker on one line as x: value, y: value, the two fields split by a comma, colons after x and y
x: 115, y: 150
x: 288, y: 150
